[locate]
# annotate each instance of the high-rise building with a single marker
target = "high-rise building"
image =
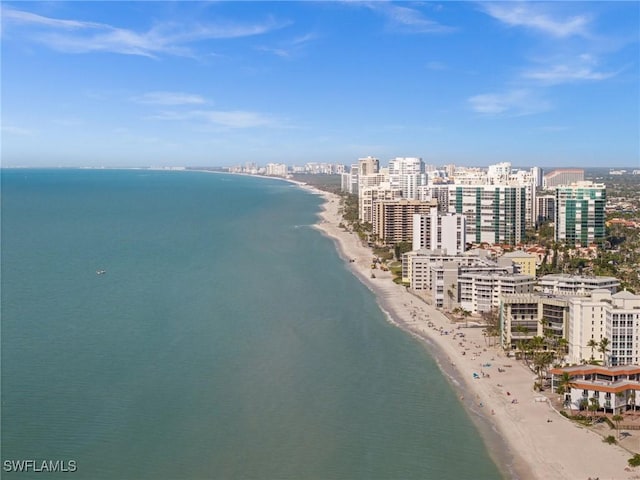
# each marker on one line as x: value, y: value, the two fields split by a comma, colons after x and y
x: 393, y: 220
x: 368, y: 165
x: 562, y: 176
x: 580, y: 213
x: 494, y: 213
x: 436, y: 231
x: 407, y: 174
x: 605, y: 315
x: 546, y: 208
x: 370, y: 195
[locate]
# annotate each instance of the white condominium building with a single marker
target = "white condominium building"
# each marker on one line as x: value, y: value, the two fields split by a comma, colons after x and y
x: 605, y: 315
x: 276, y: 169
x: 563, y: 284
x: 407, y: 174
x: 480, y: 292
x: 370, y: 195
x: 416, y: 265
x: 435, y: 231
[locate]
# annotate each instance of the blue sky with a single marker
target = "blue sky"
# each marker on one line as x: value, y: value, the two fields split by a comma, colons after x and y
x: 223, y: 83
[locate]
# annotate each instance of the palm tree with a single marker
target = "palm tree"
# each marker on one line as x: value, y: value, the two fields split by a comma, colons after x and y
x: 603, y: 348
x: 565, y: 383
x: 632, y: 398
x: 617, y: 419
x: 563, y: 348
x: 592, y: 344
x: 594, y: 406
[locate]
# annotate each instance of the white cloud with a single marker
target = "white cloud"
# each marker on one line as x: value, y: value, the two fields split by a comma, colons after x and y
x: 511, y: 103
x: 519, y: 14
x: 223, y: 118
x: 291, y: 48
x: 408, y: 19
x: 12, y: 130
x: 169, y: 98
x: 74, y: 36
x: 581, y: 68
x: 566, y: 73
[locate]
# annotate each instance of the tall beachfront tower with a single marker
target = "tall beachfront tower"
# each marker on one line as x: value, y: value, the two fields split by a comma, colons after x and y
x: 494, y: 213
x: 407, y: 174
x: 580, y: 213
x: 368, y: 166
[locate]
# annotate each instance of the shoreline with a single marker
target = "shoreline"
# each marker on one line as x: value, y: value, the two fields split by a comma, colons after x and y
x: 523, y: 434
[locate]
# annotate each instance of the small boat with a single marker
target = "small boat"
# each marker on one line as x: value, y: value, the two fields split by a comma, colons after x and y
x: 100, y: 272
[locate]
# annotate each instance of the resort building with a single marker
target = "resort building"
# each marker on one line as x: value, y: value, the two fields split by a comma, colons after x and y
x: 612, y: 389
x: 562, y: 176
x: 494, y: 213
x: 580, y: 213
x: 525, y: 262
x: 564, y: 284
x: 393, y: 219
x: 524, y: 316
x: 407, y: 174
x: 480, y: 292
x: 604, y: 315
x: 439, y: 232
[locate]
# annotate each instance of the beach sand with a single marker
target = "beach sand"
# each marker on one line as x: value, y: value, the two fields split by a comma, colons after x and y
x: 527, y: 439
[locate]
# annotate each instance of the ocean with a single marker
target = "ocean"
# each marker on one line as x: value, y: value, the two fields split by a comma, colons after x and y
x: 226, y: 339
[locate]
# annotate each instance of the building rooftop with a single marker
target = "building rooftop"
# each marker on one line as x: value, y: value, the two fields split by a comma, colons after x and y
x: 518, y: 254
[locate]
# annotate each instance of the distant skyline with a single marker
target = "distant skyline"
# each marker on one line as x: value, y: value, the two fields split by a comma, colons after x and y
x: 225, y: 83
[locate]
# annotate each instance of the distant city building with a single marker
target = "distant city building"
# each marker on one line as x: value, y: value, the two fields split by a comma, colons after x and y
x: 369, y: 196
x: 499, y: 173
x: 276, y: 169
x: 580, y: 213
x: 538, y: 176
x: 407, y: 174
x: 368, y: 165
x: 546, y: 208
x: 436, y: 231
x: 563, y: 176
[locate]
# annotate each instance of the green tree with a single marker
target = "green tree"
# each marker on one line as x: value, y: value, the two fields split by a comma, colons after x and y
x: 617, y: 419
x: 592, y: 344
x: 594, y: 406
x: 603, y: 348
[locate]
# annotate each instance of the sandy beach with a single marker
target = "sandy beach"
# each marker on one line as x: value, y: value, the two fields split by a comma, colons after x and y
x: 526, y: 437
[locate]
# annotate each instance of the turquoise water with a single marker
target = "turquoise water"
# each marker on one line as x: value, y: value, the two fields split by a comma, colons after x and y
x: 226, y: 340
